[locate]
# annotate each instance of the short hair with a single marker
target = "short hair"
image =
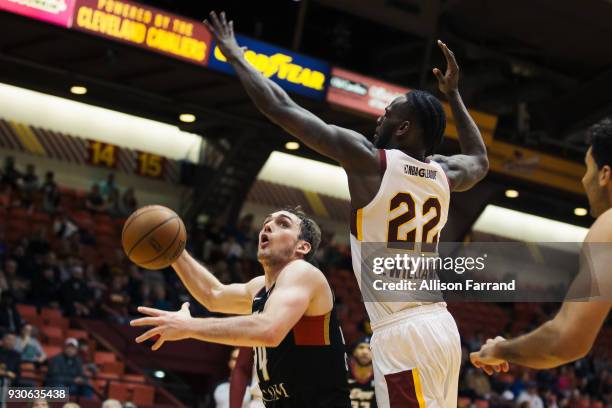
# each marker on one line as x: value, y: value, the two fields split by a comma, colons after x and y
x: 600, y: 138
x: 430, y: 116
x: 309, y: 231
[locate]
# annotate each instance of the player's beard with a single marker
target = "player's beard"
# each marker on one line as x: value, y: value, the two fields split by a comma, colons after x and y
x: 382, y: 141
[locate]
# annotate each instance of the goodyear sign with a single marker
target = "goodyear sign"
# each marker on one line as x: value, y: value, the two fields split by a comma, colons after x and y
x: 145, y: 27
x: 293, y: 72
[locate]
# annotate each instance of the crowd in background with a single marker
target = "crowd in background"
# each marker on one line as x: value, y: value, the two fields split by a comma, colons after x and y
x: 45, y: 268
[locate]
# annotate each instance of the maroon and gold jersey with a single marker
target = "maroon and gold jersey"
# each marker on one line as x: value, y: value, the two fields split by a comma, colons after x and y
x: 308, y: 369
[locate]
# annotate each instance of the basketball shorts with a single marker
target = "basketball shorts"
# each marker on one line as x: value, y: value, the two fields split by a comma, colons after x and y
x: 416, y: 356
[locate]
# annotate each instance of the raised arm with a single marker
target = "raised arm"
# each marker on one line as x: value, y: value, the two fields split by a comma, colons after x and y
x: 468, y: 168
x: 235, y: 298
x: 349, y: 148
x: 572, y: 332
x: 290, y: 299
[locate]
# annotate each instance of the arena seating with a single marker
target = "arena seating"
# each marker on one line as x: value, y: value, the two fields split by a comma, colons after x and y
x: 111, y: 381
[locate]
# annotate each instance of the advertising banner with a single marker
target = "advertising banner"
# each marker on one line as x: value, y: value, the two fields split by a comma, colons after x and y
x: 145, y: 27
x: 58, y: 12
x: 293, y: 72
x: 361, y: 93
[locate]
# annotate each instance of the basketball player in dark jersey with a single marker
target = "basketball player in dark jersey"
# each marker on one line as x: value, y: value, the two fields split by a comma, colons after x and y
x: 572, y: 332
x: 291, y: 322
x: 361, y: 376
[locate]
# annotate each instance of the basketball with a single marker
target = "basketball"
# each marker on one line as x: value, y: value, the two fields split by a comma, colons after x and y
x: 153, y: 237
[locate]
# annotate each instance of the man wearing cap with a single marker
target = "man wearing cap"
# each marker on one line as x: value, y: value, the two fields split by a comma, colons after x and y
x: 66, y: 370
x: 361, y: 376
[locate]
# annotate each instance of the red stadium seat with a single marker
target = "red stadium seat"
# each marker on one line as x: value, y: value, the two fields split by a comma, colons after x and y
x: 27, y: 311
x: 134, y: 378
x: 108, y: 376
x: 47, y: 312
x: 51, y: 351
x: 53, y: 332
x: 19, y: 213
x: 77, y: 334
x: 115, y: 367
x: 118, y: 391
x: 143, y: 395
x: 104, y: 357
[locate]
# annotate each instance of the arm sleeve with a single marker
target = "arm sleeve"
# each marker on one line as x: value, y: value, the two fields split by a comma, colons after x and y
x: 241, y: 376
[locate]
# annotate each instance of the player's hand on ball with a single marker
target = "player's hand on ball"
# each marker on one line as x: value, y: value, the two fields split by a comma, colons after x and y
x: 448, y: 82
x: 485, y: 359
x: 169, y: 326
x: 224, y: 34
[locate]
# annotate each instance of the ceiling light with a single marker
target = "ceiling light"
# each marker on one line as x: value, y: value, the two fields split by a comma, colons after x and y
x: 580, y: 212
x: 512, y: 193
x: 187, y: 117
x: 159, y: 374
x: 292, y: 145
x: 78, y: 90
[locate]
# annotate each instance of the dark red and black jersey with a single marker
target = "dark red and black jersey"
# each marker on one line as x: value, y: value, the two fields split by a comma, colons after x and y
x: 361, y: 393
x: 308, y: 369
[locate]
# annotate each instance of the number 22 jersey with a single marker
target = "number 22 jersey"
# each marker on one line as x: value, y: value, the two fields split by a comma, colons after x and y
x: 408, y: 211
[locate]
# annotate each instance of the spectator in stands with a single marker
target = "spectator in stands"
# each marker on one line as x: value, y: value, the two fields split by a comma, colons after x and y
x: 94, y: 201
x: 29, y: 347
x: 144, y: 298
x: 29, y: 186
x: 10, y: 175
x: 94, y: 283
x: 39, y: 244
x: 108, y: 186
x: 3, y: 246
x: 75, y: 294
x: 128, y: 203
x: 39, y: 403
x: 113, y: 204
x: 46, y: 288
x: 51, y: 194
x: 66, y: 370
x: 26, y: 265
x: 232, y: 249
x: 10, y: 360
x: 160, y: 298
x: 87, y: 358
x: 4, y: 286
x: 10, y: 318
x: 63, y: 226
x: 71, y: 405
x: 117, y: 299
x: 478, y: 382
x: 530, y: 395
x: 222, y: 391
x: 111, y: 403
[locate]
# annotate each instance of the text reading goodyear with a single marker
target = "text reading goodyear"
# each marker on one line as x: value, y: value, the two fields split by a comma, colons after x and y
x: 281, y: 65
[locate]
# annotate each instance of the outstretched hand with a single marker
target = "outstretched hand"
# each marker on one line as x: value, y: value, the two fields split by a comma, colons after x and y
x: 224, y: 34
x: 448, y: 82
x: 169, y: 326
x: 484, y: 358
